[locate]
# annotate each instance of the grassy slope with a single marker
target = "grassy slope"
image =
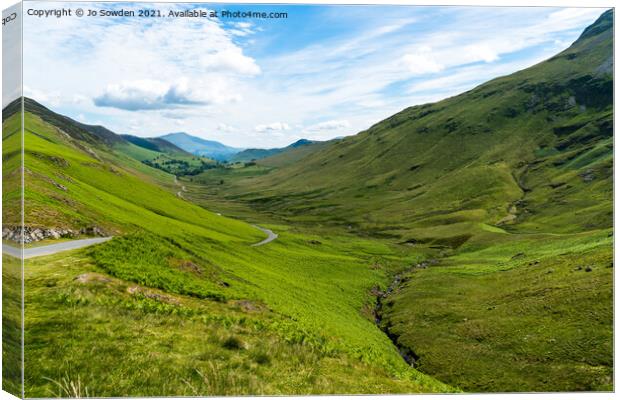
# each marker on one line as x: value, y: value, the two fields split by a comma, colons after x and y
x: 113, y: 341
x: 11, y: 164
x: 11, y: 326
x: 511, y: 183
x: 156, y: 144
x: 532, y: 312
x: 160, y: 153
x: 488, y: 155
x: 170, y: 245
x: 11, y: 268
x: 516, y: 316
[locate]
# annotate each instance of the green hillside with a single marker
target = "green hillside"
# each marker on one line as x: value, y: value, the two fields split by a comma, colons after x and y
x: 491, y: 155
x: 156, y: 144
x: 161, y: 154
x: 293, y: 155
x: 258, y: 154
x: 179, y: 302
x: 507, y: 189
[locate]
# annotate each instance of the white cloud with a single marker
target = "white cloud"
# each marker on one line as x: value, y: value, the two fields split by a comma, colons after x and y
x: 332, y: 125
x: 364, y: 73
x: 273, y: 127
x: 226, y: 128
x: 151, y: 94
x: 243, y: 25
x: 231, y: 60
x: 422, y: 62
x: 482, y: 52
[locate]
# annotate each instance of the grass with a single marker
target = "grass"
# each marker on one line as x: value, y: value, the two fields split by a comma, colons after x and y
x: 169, y: 251
x: 509, y: 186
x: 148, y: 342
x: 514, y: 317
x: 11, y: 326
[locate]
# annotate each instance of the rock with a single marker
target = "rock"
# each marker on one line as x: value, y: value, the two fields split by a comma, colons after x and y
x: 93, y: 231
x: 588, y: 175
x: 59, y: 186
x: 35, y: 234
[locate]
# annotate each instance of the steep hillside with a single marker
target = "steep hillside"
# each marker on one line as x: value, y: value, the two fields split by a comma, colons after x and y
x: 161, y: 154
x: 507, y: 189
x: 202, y: 147
x: 221, y: 316
x: 156, y: 144
x: 492, y: 155
x: 66, y: 167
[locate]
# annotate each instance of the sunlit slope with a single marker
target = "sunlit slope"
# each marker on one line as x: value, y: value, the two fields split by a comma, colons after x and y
x: 494, y: 154
x: 73, y: 184
x: 11, y: 166
x: 316, y: 291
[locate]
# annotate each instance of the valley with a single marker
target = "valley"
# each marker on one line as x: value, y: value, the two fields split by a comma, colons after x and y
x: 463, y: 245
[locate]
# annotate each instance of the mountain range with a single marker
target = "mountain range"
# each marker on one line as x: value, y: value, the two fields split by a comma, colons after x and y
x: 199, y: 146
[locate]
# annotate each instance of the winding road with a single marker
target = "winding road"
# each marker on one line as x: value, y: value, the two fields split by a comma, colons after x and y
x: 31, y: 252
x: 183, y: 188
x: 270, y: 236
x: 49, y: 249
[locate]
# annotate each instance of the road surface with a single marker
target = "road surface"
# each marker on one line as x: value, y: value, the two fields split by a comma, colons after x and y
x: 270, y: 236
x: 31, y: 252
x: 183, y: 188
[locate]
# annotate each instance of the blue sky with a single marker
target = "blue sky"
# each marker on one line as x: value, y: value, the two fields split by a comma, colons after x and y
x: 323, y: 72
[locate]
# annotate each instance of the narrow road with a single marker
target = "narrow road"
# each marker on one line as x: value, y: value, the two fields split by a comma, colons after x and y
x: 270, y: 236
x: 183, y: 188
x: 51, y: 248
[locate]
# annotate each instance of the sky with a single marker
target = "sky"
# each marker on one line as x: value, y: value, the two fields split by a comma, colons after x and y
x: 320, y: 73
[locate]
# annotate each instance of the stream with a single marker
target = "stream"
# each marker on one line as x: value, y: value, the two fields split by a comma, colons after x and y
x: 410, y: 357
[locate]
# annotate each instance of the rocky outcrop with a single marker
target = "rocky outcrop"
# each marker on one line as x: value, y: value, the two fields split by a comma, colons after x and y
x: 35, y: 234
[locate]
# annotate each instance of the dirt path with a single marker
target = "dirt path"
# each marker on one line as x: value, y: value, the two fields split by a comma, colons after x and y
x: 51, y: 248
x: 270, y: 236
x: 183, y: 188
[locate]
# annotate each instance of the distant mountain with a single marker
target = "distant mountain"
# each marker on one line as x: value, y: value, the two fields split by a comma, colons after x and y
x: 202, y: 147
x: 258, y: 154
x: 156, y: 144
